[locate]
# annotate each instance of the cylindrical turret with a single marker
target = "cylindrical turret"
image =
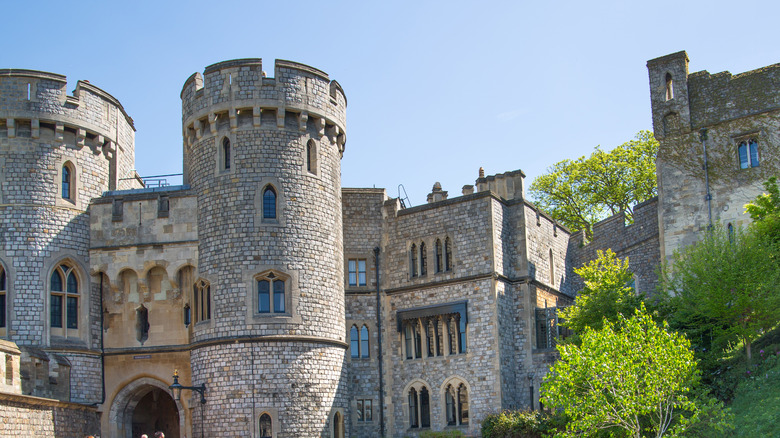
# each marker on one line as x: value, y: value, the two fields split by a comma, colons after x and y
x: 263, y: 156
x: 57, y: 152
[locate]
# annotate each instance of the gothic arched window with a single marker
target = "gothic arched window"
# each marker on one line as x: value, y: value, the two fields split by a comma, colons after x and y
x: 67, y: 182
x: 354, y: 342
x: 225, y: 154
x: 269, y: 203
x: 266, y: 426
x: 64, y: 305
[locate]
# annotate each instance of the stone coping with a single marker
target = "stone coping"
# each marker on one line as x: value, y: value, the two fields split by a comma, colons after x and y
x: 43, y: 402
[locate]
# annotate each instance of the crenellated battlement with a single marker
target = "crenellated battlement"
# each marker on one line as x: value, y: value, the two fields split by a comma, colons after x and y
x: 236, y: 93
x: 36, y: 98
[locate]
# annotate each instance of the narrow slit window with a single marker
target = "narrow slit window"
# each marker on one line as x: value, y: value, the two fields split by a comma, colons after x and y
x: 364, y: 342
x: 438, y: 255
x: 423, y: 260
x: 66, y: 182
x: 447, y: 255
x: 354, y: 342
x: 413, y: 260
x: 226, y: 154
x: 669, y: 87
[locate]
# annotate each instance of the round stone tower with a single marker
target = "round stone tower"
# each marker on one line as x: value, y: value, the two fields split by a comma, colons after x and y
x: 57, y: 152
x: 263, y: 156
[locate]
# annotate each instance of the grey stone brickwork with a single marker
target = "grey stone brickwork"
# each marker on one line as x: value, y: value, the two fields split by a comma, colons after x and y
x: 270, y: 123
x: 637, y: 241
x: 39, y: 417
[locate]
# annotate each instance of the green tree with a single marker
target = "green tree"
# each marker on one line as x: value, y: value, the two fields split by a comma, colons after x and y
x: 582, y: 192
x: 726, y: 285
x: 765, y: 211
x: 630, y: 378
x: 605, y: 297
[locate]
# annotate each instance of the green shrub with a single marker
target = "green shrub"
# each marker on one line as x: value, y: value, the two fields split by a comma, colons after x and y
x: 522, y: 424
x: 444, y: 434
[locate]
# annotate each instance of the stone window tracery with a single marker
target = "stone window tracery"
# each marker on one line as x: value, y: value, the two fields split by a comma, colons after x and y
x: 419, y: 403
x: 441, y: 327
x: 64, y: 300
x: 358, y: 342
x: 272, y: 293
x: 456, y: 402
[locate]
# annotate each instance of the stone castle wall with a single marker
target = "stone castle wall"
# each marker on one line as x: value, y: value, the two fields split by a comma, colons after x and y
x: 42, y: 131
x: 362, y: 213
x: 638, y: 241
x: 732, y: 109
x: 286, y: 134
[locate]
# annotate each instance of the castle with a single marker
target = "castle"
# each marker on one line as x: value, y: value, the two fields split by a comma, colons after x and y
x: 299, y: 308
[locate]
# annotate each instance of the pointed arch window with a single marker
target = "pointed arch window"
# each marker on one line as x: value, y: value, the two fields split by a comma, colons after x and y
x: 364, y: 341
x: 266, y: 426
x: 354, y: 342
x: 225, y: 154
x: 311, y: 156
x: 456, y: 399
x: 64, y: 303
x: 269, y: 203
x: 67, y: 179
x: 447, y: 255
x: 271, y: 293
x: 439, y: 256
x: 423, y: 260
x: 450, y: 411
x: 419, y: 407
x: 413, y: 260
x: 202, y: 300
x: 413, y: 417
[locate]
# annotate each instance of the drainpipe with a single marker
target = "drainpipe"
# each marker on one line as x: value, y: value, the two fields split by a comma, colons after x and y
x: 379, y: 345
x: 102, y: 349
x: 703, y: 139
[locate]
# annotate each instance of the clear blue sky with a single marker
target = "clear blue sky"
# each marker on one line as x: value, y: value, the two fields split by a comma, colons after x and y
x: 435, y: 89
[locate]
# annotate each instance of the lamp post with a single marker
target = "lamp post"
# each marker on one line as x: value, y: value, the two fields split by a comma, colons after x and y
x: 176, y: 388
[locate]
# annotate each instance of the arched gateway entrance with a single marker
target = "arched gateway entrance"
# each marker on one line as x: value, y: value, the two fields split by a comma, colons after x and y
x: 145, y: 406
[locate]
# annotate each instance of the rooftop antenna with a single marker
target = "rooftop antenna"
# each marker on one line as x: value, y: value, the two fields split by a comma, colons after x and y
x: 405, y: 199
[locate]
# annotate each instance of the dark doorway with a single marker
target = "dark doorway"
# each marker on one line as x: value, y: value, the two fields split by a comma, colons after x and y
x: 156, y: 411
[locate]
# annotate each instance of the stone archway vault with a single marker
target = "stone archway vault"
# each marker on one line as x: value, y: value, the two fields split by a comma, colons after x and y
x: 123, y: 406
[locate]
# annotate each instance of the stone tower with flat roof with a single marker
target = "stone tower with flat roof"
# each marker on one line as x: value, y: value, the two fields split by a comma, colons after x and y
x: 263, y: 156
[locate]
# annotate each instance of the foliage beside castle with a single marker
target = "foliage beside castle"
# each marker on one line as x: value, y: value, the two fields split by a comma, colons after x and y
x: 307, y: 309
